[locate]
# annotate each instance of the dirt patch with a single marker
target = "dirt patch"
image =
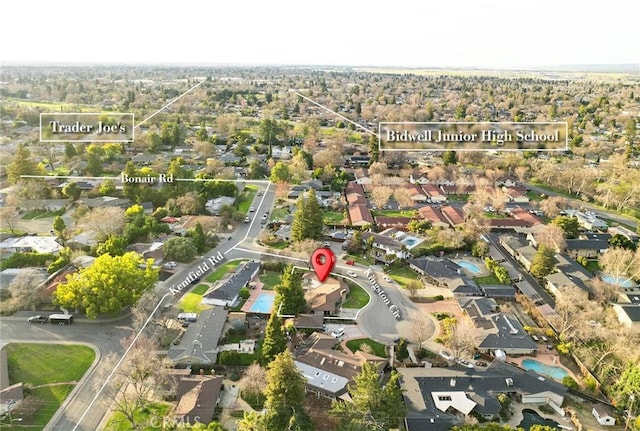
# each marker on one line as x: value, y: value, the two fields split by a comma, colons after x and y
x: 447, y: 306
x: 317, y: 409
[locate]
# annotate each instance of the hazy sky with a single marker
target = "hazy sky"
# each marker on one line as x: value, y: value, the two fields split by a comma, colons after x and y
x: 474, y: 33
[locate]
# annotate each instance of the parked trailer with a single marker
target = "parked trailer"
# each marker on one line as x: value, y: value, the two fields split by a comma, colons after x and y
x: 61, y: 319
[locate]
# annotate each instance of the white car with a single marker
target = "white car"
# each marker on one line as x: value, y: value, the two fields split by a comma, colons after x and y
x: 465, y: 363
x: 448, y: 356
x: 352, y: 274
x: 252, y: 209
x: 387, y: 279
x: 337, y: 333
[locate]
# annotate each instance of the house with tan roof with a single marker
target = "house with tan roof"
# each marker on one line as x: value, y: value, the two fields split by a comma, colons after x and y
x: 360, y: 215
x: 198, y: 396
x: 325, y: 298
x: 454, y: 215
x: 435, y: 216
x: 434, y: 193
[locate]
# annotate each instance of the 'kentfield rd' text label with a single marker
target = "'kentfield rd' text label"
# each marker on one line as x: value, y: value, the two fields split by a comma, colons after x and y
x: 204, y: 267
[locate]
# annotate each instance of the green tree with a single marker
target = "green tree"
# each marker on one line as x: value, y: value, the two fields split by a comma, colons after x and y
x: 449, y: 158
x: 285, y: 395
x: 201, y: 133
x: 627, y: 385
x: 257, y: 170
x: 252, y: 421
x: 569, y: 225
x: 110, y: 284
x: 543, y: 262
x: 275, y: 341
x: 107, y: 188
x: 198, y: 238
x: 621, y: 241
x: 502, y: 274
x: 69, y: 150
x: 402, y: 352
x: 22, y: 164
x: 373, y: 406
x: 280, y: 173
x: 419, y: 226
x: 289, y: 293
x: 307, y: 219
x: 95, y: 155
x: 180, y: 249
x: 114, y: 245
x: 269, y: 132
x: 72, y: 191
x: 59, y: 226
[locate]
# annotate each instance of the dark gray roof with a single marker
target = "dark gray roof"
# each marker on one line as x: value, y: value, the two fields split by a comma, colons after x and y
x: 587, y: 244
x: 511, y: 335
x: 231, y: 288
x: 560, y: 279
x: 571, y: 267
x: 631, y: 310
x: 499, y: 291
x: 200, y: 341
x: 441, y: 268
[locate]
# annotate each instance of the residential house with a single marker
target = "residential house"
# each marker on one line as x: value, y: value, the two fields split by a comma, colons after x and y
x: 621, y: 230
x: 199, y: 344
x: 496, y: 330
x: 588, y: 220
x: 31, y: 244
x: 454, y: 215
x: 558, y: 283
x: 416, y: 192
x: 227, y: 291
x: 522, y: 214
x: 356, y: 199
x: 603, y: 414
x: 516, y: 195
x: 587, y: 248
x: 499, y: 291
x: 198, y: 396
x: 439, y: 398
x: 329, y: 372
x: 360, y: 215
x: 105, y: 201
x: 214, y: 206
x: 362, y: 176
x: 434, y: 193
x: 326, y: 298
x: 385, y: 247
x: 399, y: 223
x: 628, y: 315
x: 434, y: 216
x: 437, y: 270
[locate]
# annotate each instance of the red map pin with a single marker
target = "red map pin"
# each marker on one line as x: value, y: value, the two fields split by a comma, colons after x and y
x: 322, y: 261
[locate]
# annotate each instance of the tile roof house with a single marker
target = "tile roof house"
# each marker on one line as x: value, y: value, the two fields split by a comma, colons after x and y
x: 454, y: 215
x: 522, y: 214
x: 327, y: 297
x: 434, y: 193
x: 385, y: 248
x: 360, y: 215
x: 435, y: 216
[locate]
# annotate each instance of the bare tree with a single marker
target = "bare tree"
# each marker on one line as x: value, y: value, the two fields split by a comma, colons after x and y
x: 378, y: 168
x: 621, y: 263
x: 104, y: 221
x: 403, y: 197
x: 422, y: 328
x: 521, y: 173
x: 460, y: 339
x: 9, y: 217
x: 380, y: 195
x: 24, y: 291
x: 254, y: 381
x: 436, y: 174
x: 551, y: 236
x: 137, y: 381
x: 552, y: 205
x: 413, y: 286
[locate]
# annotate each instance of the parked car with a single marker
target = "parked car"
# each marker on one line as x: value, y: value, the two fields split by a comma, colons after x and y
x: 170, y: 264
x: 252, y: 209
x: 349, y: 262
x: 387, y: 279
x: 38, y: 319
x: 337, y: 333
x: 448, y: 356
x: 247, y: 219
x: 465, y: 363
x: 352, y: 274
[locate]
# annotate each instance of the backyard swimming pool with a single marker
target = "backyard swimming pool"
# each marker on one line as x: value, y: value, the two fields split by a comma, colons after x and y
x: 263, y: 303
x: 548, y: 370
x: 410, y: 241
x: 469, y: 266
x: 622, y: 282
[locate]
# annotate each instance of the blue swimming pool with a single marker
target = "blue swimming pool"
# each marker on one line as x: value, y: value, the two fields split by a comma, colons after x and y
x: 557, y: 373
x: 622, y: 282
x: 263, y: 303
x: 469, y: 266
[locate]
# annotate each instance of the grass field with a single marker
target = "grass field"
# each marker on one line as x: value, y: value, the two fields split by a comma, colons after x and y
x: 403, y: 276
x: 223, y: 270
x: 148, y: 418
x: 279, y: 214
x: 200, y: 289
x: 394, y: 213
x: 270, y: 279
x: 332, y: 217
x: 487, y: 280
x: 246, y: 199
x: 38, y: 214
x: 358, y: 297
x: 378, y: 349
x: 190, y: 303
x: 39, y: 364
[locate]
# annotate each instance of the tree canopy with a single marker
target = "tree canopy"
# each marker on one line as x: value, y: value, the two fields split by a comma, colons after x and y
x: 274, y: 339
x: 108, y: 285
x: 289, y: 293
x: 307, y: 219
x: 543, y: 262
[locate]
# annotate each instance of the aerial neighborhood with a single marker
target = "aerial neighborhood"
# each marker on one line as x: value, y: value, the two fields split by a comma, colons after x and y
x: 170, y: 275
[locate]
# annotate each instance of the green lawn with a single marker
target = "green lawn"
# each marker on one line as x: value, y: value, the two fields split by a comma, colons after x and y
x: 593, y: 266
x: 359, y: 259
x: 279, y: 214
x: 190, y: 303
x: 394, y: 213
x: 487, y: 280
x: 38, y: 214
x: 533, y: 196
x: 332, y: 217
x: 403, y: 276
x: 270, y: 279
x: 358, y: 297
x: 41, y: 364
x: 223, y: 270
x: 378, y: 349
x: 149, y: 417
x: 246, y: 199
x: 200, y: 289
